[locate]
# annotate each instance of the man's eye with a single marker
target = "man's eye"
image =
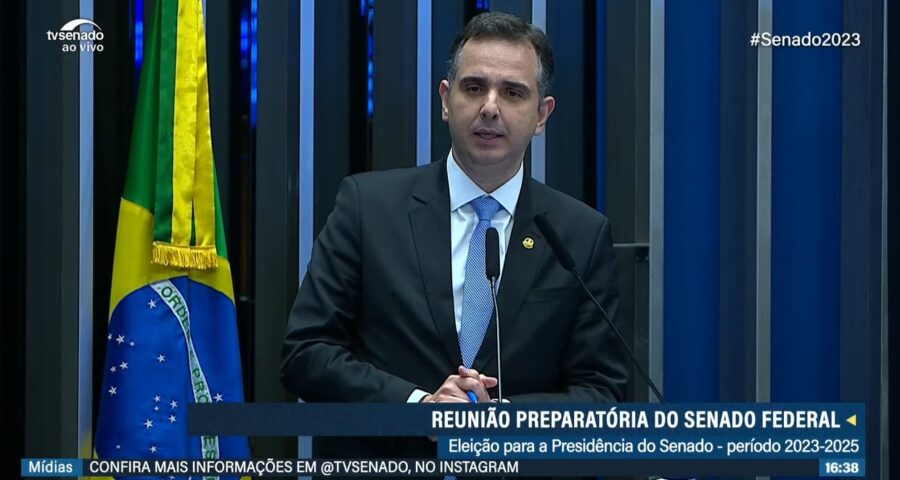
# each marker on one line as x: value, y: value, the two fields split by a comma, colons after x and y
x: 514, y: 93
x: 473, y: 89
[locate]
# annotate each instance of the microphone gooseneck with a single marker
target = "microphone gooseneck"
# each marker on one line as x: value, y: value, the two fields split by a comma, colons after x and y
x: 565, y: 259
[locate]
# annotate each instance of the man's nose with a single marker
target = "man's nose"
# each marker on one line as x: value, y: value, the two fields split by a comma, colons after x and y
x: 491, y: 109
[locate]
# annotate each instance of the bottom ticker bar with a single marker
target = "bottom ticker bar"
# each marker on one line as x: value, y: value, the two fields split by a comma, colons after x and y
x: 434, y: 467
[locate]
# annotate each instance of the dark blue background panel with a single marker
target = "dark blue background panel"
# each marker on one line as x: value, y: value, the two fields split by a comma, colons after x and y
x: 691, y: 305
x: 806, y: 166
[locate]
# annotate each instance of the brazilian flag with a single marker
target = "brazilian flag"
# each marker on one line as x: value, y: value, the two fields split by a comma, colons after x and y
x: 172, y: 334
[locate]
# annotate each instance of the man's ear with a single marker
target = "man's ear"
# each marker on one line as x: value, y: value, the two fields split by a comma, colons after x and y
x: 544, y: 110
x: 444, y: 92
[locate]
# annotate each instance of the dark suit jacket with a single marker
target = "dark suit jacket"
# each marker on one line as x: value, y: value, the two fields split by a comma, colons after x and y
x: 374, y: 318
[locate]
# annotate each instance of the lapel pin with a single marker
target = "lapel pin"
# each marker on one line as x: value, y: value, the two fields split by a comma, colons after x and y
x: 528, y: 243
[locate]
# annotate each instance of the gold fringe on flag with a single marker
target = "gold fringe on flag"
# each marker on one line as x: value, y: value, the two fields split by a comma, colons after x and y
x: 195, y: 257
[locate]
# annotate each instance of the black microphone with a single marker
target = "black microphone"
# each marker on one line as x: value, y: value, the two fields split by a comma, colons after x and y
x: 492, y: 253
x: 492, y: 270
x: 565, y: 259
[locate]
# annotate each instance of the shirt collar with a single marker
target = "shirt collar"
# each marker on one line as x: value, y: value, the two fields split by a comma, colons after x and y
x: 463, y: 190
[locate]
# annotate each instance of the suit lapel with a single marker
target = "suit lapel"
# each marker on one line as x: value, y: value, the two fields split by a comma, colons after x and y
x: 519, y: 268
x: 430, y: 222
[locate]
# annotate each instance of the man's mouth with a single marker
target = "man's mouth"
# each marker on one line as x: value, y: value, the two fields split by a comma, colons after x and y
x: 488, y: 134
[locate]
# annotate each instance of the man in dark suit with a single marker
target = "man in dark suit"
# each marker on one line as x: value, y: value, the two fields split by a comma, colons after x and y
x: 395, y: 306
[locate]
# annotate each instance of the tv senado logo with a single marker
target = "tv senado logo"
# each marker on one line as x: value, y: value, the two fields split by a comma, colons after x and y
x: 72, y: 39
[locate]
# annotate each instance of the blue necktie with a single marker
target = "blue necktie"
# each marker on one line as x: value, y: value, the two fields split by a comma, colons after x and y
x: 477, y: 305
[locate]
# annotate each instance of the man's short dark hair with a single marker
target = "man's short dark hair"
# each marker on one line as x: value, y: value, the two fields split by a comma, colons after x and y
x: 503, y: 26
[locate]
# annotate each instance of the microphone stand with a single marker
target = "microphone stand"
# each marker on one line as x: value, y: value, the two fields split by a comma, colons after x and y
x: 497, y: 325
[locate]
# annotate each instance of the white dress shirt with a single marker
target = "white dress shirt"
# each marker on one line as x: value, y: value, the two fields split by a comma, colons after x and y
x: 463, y: 221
